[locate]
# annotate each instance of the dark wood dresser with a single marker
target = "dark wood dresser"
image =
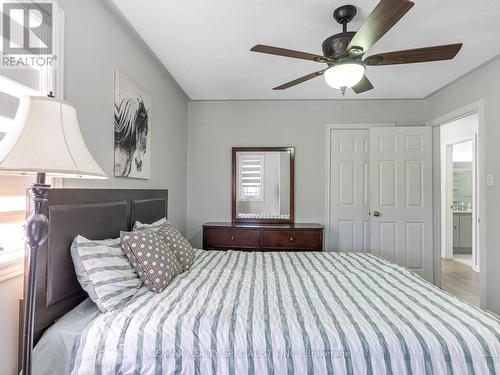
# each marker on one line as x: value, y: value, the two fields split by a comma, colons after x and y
x: 262, y: 237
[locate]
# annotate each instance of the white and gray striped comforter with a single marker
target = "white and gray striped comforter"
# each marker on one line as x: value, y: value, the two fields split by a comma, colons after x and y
x: 292, y: 313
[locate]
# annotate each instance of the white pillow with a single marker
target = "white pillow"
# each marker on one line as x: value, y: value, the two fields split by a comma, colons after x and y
x: 140, y: 226
x: 104, y: 272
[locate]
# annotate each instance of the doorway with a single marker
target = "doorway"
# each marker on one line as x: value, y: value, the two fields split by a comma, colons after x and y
x: 460, y: 250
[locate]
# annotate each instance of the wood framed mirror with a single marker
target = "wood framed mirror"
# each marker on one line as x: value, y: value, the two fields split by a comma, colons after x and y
x: 263, y: 185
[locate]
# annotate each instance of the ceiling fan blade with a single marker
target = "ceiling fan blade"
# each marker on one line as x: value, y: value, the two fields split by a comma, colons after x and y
x: 362, y: 86
x: 299, y: 80
x: 385, y: 15
x: 418, y: 55
x: 288, y: 53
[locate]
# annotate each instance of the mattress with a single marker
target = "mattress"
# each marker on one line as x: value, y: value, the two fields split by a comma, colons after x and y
x: 55, y: 352
x: 292, y: 313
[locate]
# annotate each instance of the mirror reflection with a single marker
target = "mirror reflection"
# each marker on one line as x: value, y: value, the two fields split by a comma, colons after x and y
x: 263, y: 185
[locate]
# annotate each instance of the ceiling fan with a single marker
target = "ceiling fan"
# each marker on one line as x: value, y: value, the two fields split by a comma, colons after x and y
x: 343, y: 53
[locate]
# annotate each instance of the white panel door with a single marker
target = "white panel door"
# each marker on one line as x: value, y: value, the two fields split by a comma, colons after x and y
x: 349, y: 221
x: 401, y: 197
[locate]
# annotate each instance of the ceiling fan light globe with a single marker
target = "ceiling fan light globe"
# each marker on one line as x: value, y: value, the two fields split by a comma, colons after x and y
x: 344, y: 75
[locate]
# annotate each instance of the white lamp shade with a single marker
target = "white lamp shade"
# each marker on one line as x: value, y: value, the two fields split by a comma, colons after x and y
x: 46, y: 138
x: 344, y: 75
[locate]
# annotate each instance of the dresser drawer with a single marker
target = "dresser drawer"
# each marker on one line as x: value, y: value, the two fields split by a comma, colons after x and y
x: 229, y: 238
x: 262, y: 237
x: 293, y: 239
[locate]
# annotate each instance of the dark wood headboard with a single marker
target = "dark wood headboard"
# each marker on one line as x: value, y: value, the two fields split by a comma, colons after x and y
x: 93, y: 213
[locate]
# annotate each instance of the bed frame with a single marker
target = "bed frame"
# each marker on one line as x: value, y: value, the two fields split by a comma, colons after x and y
x: 93, y: 213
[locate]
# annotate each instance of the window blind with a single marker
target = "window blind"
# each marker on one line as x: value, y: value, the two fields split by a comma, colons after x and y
x: 251, y: 176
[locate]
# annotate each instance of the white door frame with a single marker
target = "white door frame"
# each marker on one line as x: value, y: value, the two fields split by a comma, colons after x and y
x: 476, y: 107
x: 328, y: 133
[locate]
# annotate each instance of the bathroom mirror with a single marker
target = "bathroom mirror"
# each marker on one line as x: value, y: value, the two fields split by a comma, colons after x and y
x: 262, y: 187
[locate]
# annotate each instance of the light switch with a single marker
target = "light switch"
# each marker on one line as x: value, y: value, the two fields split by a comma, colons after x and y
x: 489, y: 180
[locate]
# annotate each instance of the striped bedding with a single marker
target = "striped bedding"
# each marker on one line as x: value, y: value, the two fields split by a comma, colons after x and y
x: 292, y: 313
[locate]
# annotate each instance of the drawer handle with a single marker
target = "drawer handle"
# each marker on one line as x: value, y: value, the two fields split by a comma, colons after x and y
x: 292, y: 239
x: 232, y: 238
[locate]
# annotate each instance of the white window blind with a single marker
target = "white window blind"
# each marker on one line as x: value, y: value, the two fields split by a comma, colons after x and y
x: 251, y: 177
x: 15, y: 83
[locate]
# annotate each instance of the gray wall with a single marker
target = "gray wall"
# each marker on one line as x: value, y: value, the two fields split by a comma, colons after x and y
x: 481, y: 84
x: 97, y: 41
x: 215, y: 127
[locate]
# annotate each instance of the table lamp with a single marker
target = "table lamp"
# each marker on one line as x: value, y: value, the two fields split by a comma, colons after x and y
x: 45, y: 140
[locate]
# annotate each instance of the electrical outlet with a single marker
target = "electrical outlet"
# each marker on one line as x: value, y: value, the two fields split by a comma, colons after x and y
x: 489, y: 180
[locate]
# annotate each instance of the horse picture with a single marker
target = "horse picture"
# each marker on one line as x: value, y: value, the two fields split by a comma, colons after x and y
x: 132, y: 127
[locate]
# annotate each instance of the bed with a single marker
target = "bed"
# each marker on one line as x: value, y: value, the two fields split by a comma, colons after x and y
x: 294, y: 313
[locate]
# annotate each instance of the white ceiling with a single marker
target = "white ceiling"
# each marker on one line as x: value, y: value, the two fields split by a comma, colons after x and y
x: 205, y: 44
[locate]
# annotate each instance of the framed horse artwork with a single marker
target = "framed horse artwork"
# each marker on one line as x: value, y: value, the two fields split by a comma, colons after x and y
x: 132, y: 126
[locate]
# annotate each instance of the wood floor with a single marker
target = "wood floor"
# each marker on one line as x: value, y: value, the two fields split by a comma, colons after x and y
x: 460, y: 280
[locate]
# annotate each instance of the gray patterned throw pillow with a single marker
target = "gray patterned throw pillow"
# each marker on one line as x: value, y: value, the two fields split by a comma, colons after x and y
x: 151, y: 258
x: 173, y: 239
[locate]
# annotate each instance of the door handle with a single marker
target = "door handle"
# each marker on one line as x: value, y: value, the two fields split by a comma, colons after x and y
x: 376, y: 213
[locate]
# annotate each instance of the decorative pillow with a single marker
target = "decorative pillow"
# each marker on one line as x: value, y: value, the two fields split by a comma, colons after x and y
x: 104, y: 272
x: 153, y: 261
x: 174, y: 240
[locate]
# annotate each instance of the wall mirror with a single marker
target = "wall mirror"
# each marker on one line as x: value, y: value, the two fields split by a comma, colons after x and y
x: 263, y: 185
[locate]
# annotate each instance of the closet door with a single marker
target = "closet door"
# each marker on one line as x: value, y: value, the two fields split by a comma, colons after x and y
x: 401, y: 197
x: 349, y: 195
